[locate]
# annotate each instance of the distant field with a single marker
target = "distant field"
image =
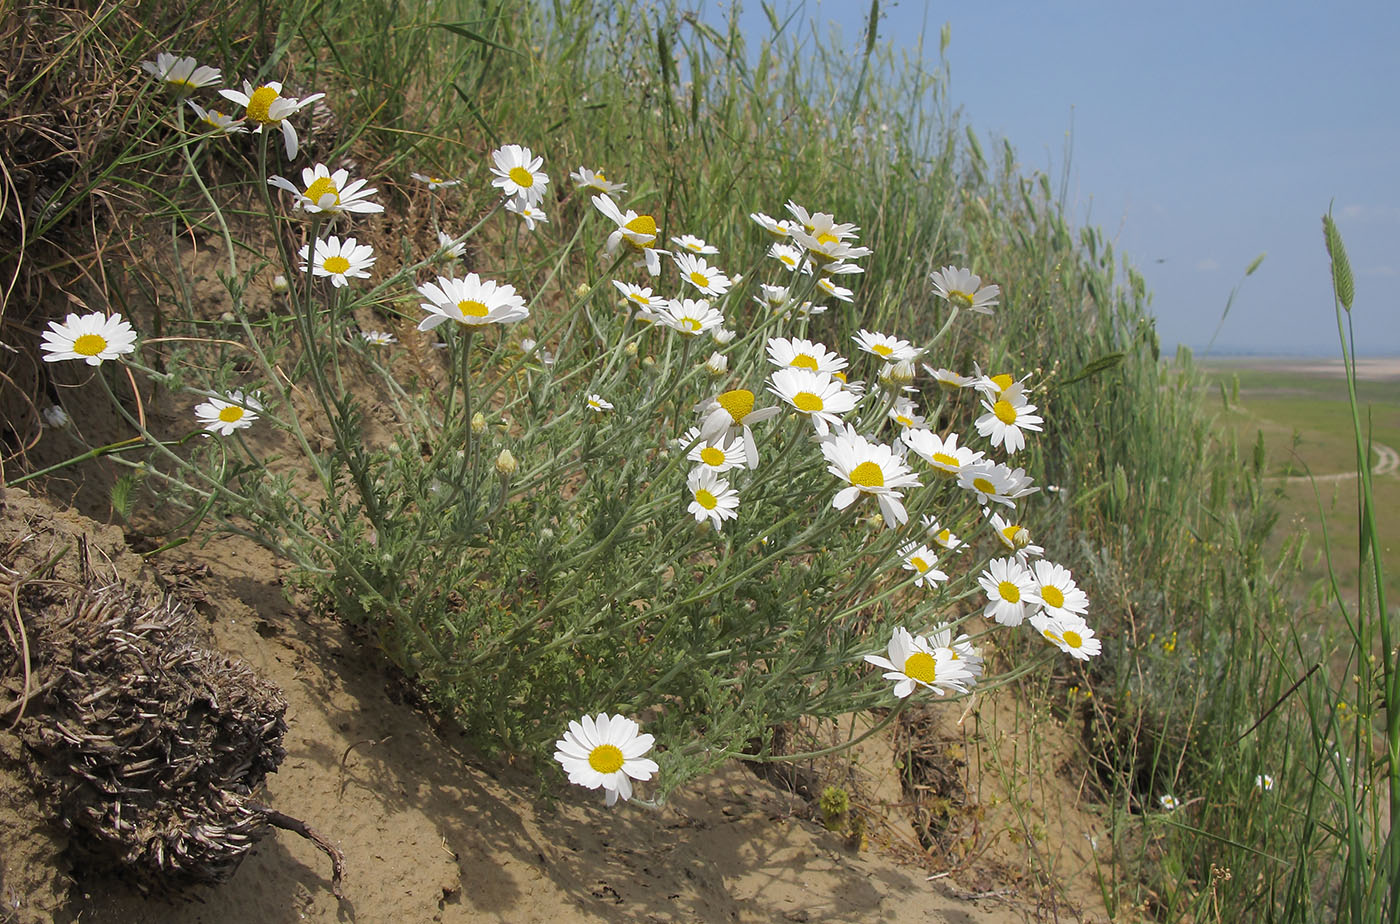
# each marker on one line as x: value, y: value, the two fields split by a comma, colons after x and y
x: 1300, y: 407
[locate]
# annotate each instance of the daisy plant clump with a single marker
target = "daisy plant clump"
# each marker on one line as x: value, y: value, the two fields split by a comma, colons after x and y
x: 616, y: 488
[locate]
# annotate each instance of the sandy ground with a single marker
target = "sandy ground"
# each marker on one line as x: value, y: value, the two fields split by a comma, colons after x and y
x: 433, y: 833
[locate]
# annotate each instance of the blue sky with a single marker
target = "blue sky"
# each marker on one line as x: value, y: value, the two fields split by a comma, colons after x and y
x: 1202, y: 134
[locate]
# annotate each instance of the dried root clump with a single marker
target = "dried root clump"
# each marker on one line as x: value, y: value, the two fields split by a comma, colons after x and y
x: 150, y: 743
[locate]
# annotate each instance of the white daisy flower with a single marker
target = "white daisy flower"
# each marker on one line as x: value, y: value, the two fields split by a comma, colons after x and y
x: 56, y: 417
x: 913, y: 662
x: 214, y: 120
x: 992, y: 481
x: 1056, y: 591
x: 906, y: 414
x: 696, y: 245
x: 1008, y: 585
x: 1264, y: 782
x: 789, y: 256
x: 815, y: 394
x: 964, y: 289
x: 340, y: 261
x: 821, y: 222
x: 181, y: 75
x: 711, y: 497
x: 718, y: 455
x: 606, y: 752
x: 449, y: 247
x: 689, y: 316
x: 1169, y: 802
x: 868, y: 468
x: 825, y: 247
x: 962, y: 649
x: 943, y: 453
x: 733, y: 413
x: 890, y: 349
x: 949, y: 379
x: 470, y: 301
x: 774, y: 298
x: 1007, y: 418
x: 701, y: 274
x: 378, y: 337
x: 93, y: 338
x: 804, y: 354
x: 519, y: 173
x: 268, y: 108
x: 331, y: 193
x: 832, y: 289
x: 434, y: 182
x: 234, y: 411
x: 717, y: 364
x: 920, y: 559
x: 649, y: 306
x: 588, y: 179
x: 940, y: 534
x: 638, y: 232
x: 780, y: 228
x: 1015, y: 538
x: 991, y: 386
x: 531, y: 214
x: 597, y: 404
x: 1070, y: 634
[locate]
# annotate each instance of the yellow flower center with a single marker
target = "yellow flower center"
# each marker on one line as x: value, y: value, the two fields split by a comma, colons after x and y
x: 1053, y: 596
x: 950, y: 384
x: 522, y: 177
x: 942, y: 458
x: 919, y: 564
x: 868, y: 475
x: 89, y: 344
x: 903, y: 421
x: 336, y: 264
x: 983, y: 485
x: 1009, y: 592
x: 700, y: 279
x: 1051, y: 636
x: 1073, y: 639
x: 960, y: 298
x: 231, y: 414
x: 788, y: 259
x: 322, y: 187
x: 1002, y: 382
x: 599, y: 176
x: 606, y: 758
x: 690, y: 324
x: 1004, y: 411
x: 945, y: 536
x: 1016, y: 537
x: 739, y: 403
x: 838, y: 376
x: 472, y: 309
x: 804, y: 361
x: 826, y: 238
x: 881, y: 349
x: 642, y: 224
x: 706, y: 499
x: 712, y: 455
x: 640, y: 299
x: 922, y: 667
x: 259, y: 105
x: 807, y: 402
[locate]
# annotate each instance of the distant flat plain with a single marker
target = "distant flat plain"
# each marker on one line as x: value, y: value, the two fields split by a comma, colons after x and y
x: 1300, y: 407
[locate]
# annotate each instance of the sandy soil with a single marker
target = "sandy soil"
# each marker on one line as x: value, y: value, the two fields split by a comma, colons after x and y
x: 433, y: 833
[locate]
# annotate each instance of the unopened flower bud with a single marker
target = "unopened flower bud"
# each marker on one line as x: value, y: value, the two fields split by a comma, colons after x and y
x: 722, y: 335
x: 648, y: 362
x: 56, y: 417
x: 897, y: 375
x: 631, y: 348
x: 582, y: 289
x: 279, y: 284
x: 506, y: 464
x: 478, y: 423
x: 718, y: 364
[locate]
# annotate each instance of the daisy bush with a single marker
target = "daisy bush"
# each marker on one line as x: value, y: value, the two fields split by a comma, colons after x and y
x: 703, y: 483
